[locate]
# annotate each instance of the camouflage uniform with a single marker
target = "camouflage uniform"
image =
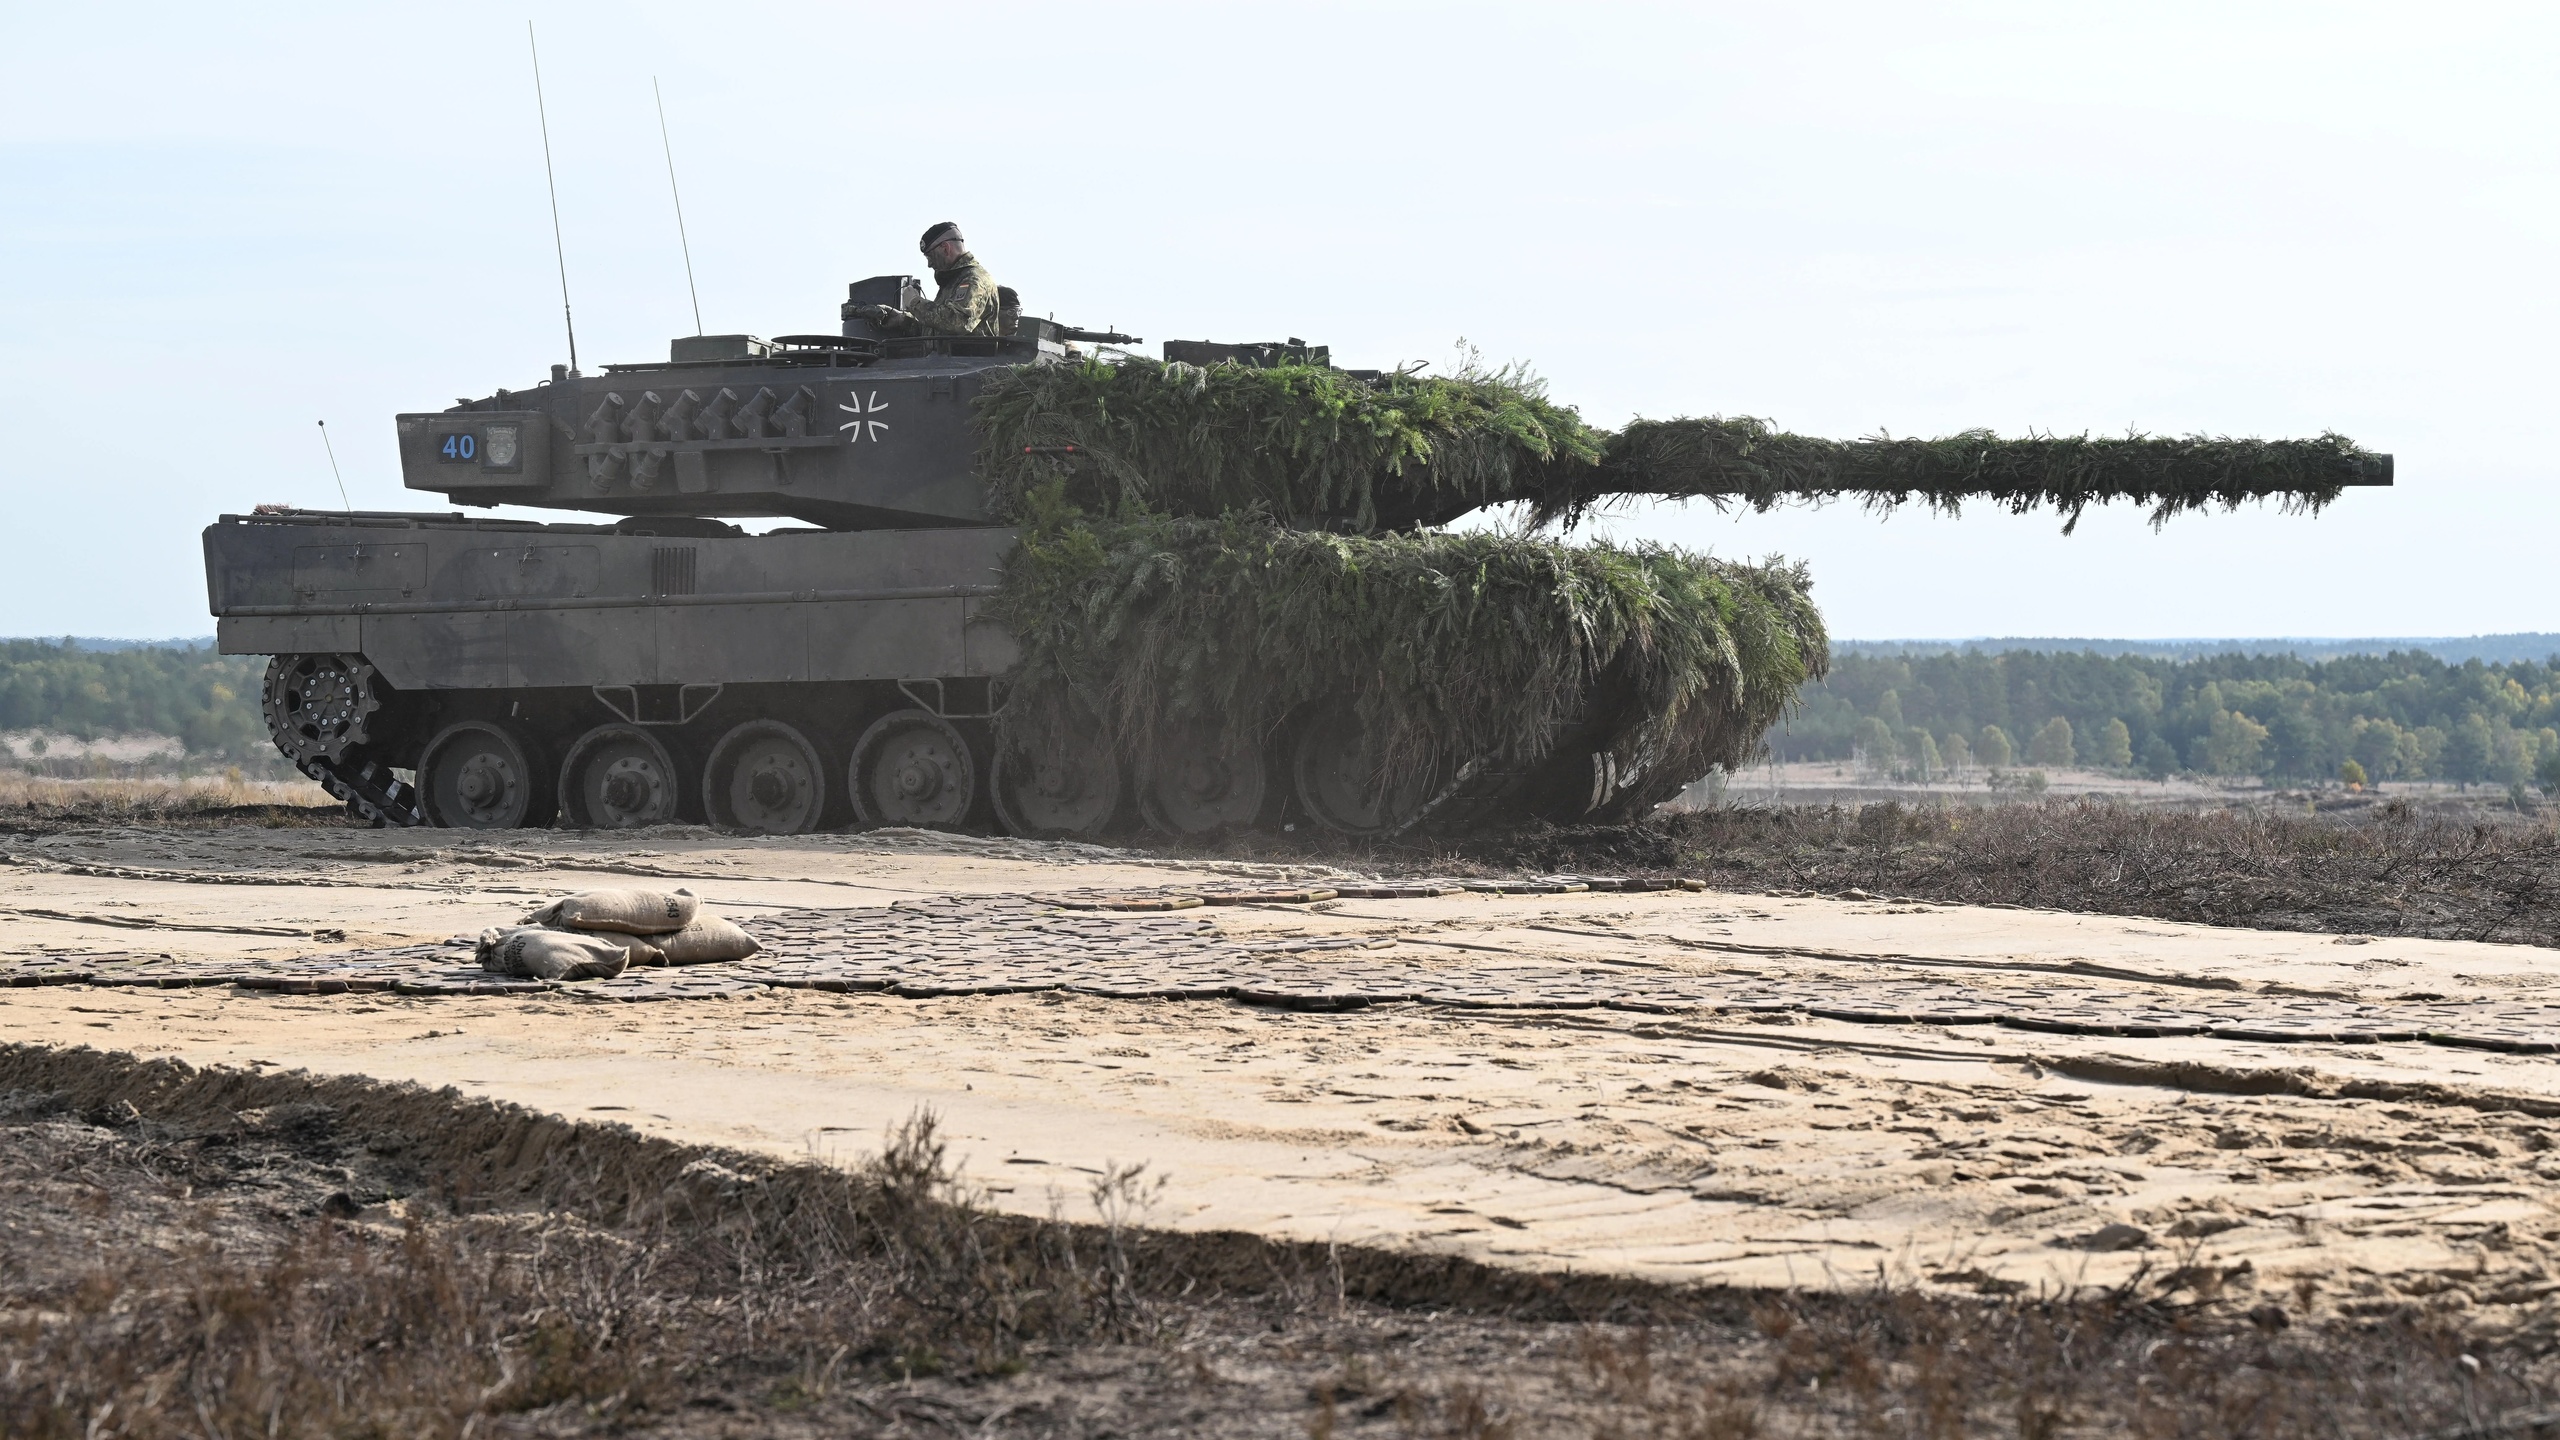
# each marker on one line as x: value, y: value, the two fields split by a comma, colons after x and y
x: 963, y: 303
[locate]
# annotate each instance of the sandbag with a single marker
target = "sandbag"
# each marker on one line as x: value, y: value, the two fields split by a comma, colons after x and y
x: 628, y: 912
x: 532, y: 952
x: 707, y: 939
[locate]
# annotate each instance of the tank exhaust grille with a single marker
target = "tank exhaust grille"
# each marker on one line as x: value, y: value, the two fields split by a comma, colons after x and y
x: 671, y: 570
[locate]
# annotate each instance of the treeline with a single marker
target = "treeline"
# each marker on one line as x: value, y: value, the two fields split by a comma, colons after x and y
x: 208, y: 701
x: 2370, y: 718
x: 2402, y: 716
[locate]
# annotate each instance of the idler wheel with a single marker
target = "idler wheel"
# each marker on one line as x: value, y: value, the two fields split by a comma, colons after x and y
x: 1057, y: 786
x: 1199, y: 785
x: 619, y: 777
x: 912, y: 768
x: 765, y: 778
x: 480, y: 775
x: 1334, y: 761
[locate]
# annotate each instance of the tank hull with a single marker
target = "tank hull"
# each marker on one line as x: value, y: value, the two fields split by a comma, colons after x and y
x: 445, y: 603
x: 538, y: 638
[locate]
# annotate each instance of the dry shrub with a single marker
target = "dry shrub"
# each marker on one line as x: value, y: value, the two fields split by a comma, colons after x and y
x: 169, y: 1267
x: 340, y: 1332
x: 890, y: 1271
x: 1895, y: 1362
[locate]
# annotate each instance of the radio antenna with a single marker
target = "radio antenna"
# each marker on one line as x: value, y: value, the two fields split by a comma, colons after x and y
x: 333, y: 467
x: 558, y: 247
x: 669, y: 146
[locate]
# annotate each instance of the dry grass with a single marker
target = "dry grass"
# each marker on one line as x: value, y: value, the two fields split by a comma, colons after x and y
x: 154, y: 1286
x: 2390, y: 869
x: 46, y: 802
x: 211, y: 1254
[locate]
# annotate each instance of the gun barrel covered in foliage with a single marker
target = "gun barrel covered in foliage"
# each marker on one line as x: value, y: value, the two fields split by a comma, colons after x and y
x: 1311, y: 445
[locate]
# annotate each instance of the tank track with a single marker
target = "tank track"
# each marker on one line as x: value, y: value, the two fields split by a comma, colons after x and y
x: 371, y: 791
x: 340, y: 724
x: 319, y: 710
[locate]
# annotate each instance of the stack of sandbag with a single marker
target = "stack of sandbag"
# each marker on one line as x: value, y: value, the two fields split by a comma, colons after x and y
x: 596, y: 934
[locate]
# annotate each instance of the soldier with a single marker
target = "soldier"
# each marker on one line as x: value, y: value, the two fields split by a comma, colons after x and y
x: 964, y: 302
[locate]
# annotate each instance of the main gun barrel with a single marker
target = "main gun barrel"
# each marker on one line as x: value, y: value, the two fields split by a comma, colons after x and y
x: 1312, y: 445
x: 1745, y: 461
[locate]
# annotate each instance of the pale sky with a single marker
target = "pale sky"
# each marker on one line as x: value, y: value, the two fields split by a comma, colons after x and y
x: 2229, y: 218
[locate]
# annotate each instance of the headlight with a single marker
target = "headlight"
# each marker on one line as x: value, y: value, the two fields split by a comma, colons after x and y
x: 499, y: 447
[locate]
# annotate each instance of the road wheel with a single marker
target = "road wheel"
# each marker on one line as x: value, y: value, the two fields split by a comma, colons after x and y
x: 912, y: 768
x: 619, y: 777
x: 765, y: 778
x: 479, y: 775
x: 1198, y: 785
x: 1057, y: 787
x: 1334, y: 762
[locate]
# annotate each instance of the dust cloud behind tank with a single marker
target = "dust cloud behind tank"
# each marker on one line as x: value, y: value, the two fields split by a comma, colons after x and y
x: 1033, y: 590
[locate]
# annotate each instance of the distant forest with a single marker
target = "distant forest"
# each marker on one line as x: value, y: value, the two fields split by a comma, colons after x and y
x: 2452, y: 649
x: 2406, y: 715
x: 208, y: 701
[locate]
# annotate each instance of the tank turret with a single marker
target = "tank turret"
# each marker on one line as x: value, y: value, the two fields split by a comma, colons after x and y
x: 857, y: 430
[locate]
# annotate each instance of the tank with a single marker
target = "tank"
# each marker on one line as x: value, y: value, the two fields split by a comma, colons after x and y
x: 652, y: 661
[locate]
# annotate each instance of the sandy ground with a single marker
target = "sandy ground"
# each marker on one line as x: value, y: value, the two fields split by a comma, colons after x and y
x: 1765, y: 1149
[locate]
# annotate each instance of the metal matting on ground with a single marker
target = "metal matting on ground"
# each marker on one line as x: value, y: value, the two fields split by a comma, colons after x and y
x: 1132, y: 944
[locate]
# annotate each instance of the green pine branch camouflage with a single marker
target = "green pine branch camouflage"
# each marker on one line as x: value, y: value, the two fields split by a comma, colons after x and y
x: 1229, y: 545
x: 1451, y: 648
x: 1315, y: 446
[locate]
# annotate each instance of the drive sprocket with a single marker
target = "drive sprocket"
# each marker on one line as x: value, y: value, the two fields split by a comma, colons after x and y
x: 318, y: 707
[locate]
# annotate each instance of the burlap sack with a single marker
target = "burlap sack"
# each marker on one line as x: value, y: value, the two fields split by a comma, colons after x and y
x: 530, y: 952
x: 629, y: 912
x: 707, y: 939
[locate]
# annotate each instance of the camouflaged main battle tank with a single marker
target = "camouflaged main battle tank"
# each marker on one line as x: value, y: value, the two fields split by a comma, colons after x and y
x: 1062, y: 591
